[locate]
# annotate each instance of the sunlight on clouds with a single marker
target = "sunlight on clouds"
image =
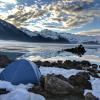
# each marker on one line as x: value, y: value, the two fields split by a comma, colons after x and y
x: 91, y: 32
x: 59, y: 15
x: 8, y: 1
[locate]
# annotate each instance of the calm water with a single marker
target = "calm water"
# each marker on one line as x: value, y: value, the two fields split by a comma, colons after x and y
x: 47, y: 51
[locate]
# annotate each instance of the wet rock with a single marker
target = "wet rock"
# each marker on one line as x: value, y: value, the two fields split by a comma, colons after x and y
x: 56, y: 86
x: 79, y: 50
x: 53, y: 64
x: 39, y: 63
x: 3, y: 91
x: 93, y: 73
x: 90, y: 96
x: 46, y: 63
x: 4, y: 61
x: 59, y: 63
x: 94, y: 66
x: 85, y: 63
x: 68, y: 64
x: 80, y: 81
x: 85, y: 75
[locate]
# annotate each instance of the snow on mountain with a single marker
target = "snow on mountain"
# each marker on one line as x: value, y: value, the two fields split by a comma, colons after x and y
x: 28, y: 32
x: 45, y: 33
x: 73, y: 38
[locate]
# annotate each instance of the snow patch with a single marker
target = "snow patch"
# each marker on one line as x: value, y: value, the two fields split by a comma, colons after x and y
x: 57, y: 71
x: 21, y: 94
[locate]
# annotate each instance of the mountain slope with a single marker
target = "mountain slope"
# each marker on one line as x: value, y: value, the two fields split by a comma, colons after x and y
x: 45, y: 36
x: 68, y: 37
x: 10, y: 32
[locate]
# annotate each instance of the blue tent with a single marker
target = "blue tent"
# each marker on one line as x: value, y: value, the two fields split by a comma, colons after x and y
x: 21, y: 71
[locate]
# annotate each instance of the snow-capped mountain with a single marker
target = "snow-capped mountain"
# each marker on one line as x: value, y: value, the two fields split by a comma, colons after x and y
x: 45, y: 33
x: 10, y: 32
x: 45, y: 36
x: 72, y: 38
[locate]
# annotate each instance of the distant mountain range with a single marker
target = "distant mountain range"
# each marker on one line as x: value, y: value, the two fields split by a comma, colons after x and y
x: 10, y: 32
x: 65, y: 37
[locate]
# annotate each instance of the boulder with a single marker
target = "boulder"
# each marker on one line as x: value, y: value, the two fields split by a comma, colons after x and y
x: 59, y: 63
x: 93, y: 73
x: 79, y: 50
x: 68, y: 64
x: 90, y: 96
x: 85, y: 75
x: 80, y: 81
x: 46, y: 63
x: 55, y: 85
x: 4, y: 61
x: 85, y: 63
x: 61, y: 77
x: 3, y: 91
x: 94, y: 66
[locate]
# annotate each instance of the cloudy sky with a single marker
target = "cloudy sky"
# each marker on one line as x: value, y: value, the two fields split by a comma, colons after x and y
x: 72, y: 16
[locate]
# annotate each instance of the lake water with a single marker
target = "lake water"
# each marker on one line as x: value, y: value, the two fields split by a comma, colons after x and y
x: 47, y: 51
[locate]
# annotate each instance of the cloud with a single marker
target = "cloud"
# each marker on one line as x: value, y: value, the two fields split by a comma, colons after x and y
x: 8, y: 1
x: 61, y: 14
x: 91, y: 32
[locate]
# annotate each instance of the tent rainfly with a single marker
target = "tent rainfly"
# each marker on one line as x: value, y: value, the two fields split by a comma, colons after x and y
x: 21, y: 71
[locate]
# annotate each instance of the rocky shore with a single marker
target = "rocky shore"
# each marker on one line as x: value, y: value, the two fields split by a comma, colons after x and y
x: 58, y: 87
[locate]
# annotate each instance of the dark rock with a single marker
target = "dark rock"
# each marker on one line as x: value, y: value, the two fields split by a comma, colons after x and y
x: 36, y: 89
x: 79, y: 50
x: 39, y: 63
x: 94, y: 66
x: 59, y: 63
x: 85, y: 63
x: 85, y: 75
x: 49, y: 96
x: 55, y: 85
x: 78, y: 90
x: 65, y: 97
x: 46, y: 63
x: 3, y: 91
x: 54, y: 64
x: 4, y: 61
x: 90, y: 96
x: 68, y: 64
x: 93, y: 73
x: 80, y: 81
x: 61, y: 77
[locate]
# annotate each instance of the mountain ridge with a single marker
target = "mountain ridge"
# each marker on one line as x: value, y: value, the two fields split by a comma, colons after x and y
x: 10, y: 32
x: 72, y: 38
